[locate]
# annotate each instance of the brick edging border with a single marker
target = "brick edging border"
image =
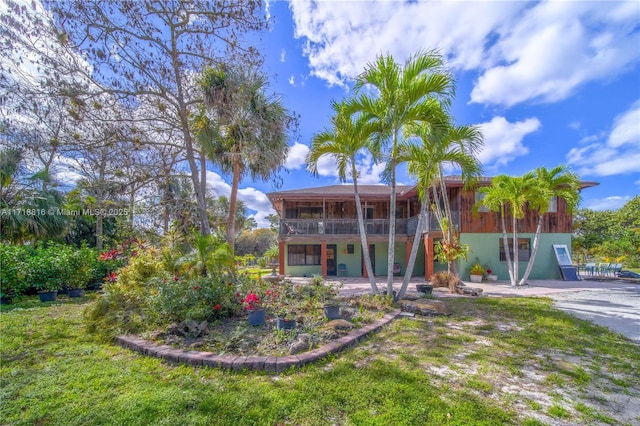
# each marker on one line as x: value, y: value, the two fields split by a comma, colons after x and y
x: 270, y: 364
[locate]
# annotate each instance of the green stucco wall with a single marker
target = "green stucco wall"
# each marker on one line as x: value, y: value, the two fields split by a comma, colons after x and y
x: 485, y: 249
x: 353, y: 261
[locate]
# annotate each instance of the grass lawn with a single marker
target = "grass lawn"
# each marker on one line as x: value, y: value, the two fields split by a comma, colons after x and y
x: 494, y: 361
x: 256, y: 271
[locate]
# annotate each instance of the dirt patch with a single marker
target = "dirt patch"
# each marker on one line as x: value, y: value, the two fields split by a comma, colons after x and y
x: 234, y: 336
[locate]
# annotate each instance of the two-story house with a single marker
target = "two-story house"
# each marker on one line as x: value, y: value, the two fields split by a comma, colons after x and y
x: 319, y: 232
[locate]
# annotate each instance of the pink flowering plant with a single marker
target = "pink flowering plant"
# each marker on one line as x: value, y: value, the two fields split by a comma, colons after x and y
x: 251, y: 302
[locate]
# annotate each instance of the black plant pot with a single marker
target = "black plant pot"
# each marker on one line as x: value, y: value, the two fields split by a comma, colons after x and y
x: 332, y: 311
x: 47, y: 296
x: 76, y: 292
x: 283, y: 324
x: 424, y: 288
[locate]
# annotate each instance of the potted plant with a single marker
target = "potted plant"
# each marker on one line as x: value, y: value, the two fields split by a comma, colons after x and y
x: 285, y: 318
x: 327, y: 295
x: 44, y: 273
x: 477, y: 273
x: 425, y: 288
x: 79, y: 271
x: 491, y: 276
x: 253, y: 305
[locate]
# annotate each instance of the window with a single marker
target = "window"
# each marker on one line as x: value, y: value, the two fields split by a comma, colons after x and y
x: 553, y: 205
x: 350, y: 248
x: 300, y: 254
x: 479, y: 197
x: 524, y: 249
x: 368, y: 213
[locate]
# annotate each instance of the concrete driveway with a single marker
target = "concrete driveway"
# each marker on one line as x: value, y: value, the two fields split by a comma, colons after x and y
x: 613, y: 304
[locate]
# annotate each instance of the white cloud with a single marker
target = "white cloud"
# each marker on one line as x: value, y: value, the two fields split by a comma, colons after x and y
x: 619, y: 153
x: 283, y: 55
x: 525, y: 51
x: 252, y: 198
x: 626, y: 128
x: 554, y: 47
x: 608, y: 203
x: 368, y: 171
x: 257, y: 200
x: 217, y: 184
x: 503, y: 140
x: 292, y: 80
x: 296, y: 156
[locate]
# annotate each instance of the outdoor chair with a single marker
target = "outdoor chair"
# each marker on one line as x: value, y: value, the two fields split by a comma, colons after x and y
x: 617, y: 267
x: 291, y: 229
x: 601, y: 269
x: 590, y: 269
x: 342, y: 270
x: 396, y: 269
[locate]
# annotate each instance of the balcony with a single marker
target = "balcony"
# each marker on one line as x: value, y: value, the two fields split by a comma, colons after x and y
x: 292, y: 227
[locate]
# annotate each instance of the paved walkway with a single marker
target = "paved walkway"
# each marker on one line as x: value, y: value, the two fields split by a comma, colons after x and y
x: 614, y: 304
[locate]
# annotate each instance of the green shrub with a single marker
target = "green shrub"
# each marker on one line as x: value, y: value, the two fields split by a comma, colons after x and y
x: 13, y: 262
x: 81, y: 267
x: 144, y: 295
x: 46, y: 267
x: 173, y: 299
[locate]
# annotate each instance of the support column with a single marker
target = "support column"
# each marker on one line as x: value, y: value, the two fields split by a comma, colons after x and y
x: 362, y: 265
x: 428, y: 257
x: 407, y: 253
x: 281, y: 249
x: 323, y: 259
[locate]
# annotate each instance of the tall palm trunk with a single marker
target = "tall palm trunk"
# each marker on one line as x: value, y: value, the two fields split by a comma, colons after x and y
x: 414, y: 247
x: 363, y: 235
x: 505, y: 244
x: 534, y: 251
x: 233, y: 201
x: 514, y: 281
x: 392, y: 218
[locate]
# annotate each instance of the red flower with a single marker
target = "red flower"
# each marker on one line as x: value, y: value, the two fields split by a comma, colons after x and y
x: 109, y: 254
x: 251, y: 301
x: 488, y: 271
x: 176, y: 278
x: 216, y: 308
x: 112, y: 277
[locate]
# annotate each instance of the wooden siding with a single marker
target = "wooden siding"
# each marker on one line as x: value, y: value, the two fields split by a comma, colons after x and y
x: 460, y: 201
x: 347, y: 209
x: 489, y: 222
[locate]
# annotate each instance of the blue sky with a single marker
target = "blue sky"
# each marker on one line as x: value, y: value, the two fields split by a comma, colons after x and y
x: 549, y: 83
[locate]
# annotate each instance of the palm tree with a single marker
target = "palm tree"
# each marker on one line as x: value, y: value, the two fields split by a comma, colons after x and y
x: 509, y: 193
x: 207, y: 254
x: 405, y: 95
x: 343, y: 141
x: 441, y: 144
x: 558, y: 182
x: 243, y: 130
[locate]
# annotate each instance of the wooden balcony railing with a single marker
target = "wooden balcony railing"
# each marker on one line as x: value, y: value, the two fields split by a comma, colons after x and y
x: 350, y: 226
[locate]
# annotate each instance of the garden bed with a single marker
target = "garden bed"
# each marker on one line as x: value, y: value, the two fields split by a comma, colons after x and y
x: 235, y: 337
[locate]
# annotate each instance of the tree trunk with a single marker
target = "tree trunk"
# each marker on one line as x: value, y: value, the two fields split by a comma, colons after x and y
x: 505, y: 244
x: 233, y: 201
x: 515, y: 250
x: 414, y: 247
x: 363, y: 234
x: 392, y: 219
x: 534, y: 251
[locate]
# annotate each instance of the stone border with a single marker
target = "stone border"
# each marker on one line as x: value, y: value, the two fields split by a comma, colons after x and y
x: 270, y: 364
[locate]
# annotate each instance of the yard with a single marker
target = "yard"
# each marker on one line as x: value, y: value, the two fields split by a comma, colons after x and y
x: 494, y: 361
